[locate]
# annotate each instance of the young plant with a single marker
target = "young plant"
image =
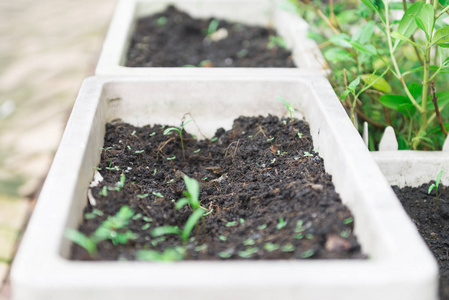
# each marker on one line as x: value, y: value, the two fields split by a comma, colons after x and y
x: 276, y: 42
x: 168, y: 130
x: 435, y: 186
x: 291, y: 111
x: 169, y: 254
x: 115, y: 228
x: 213, y: 26
x: 192, y: 198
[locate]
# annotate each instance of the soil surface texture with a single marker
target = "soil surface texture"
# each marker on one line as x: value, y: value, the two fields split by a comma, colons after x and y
x: 432, y: 223
x: 266, y: 196
x: 174, y: 39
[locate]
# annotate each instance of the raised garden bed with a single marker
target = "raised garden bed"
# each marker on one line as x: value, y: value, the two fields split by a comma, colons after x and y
x: 138, y: 44
x: 398, y: 266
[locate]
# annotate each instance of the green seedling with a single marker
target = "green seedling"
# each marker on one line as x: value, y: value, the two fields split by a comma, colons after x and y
x: 435, y: 186
x: 213, y: 26
x: 308, y: 155
x: 142, y: 196
x: 291, y: 111
x: 248, y: 252
x: 169, y: 254
x: 281, y: 224
x: 276, y: 42
x: 115, y: 229
x: 270, y: 247
x: 168, y: 130
x: 161, y: 21
x: 95, y: 212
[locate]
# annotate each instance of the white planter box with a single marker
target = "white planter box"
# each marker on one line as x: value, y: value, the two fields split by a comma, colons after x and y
x: 253, y: 12
x: 399, y: 266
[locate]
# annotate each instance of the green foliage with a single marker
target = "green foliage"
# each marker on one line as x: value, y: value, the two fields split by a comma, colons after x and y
x: 169, y: 254
x: 213, y: 26
x: 276, y: 42
x: 114, y: 228
x: 385, y: 70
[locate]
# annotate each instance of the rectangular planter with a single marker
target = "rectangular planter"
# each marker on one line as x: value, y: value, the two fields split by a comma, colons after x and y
x: 266, y: 13
x: 399, y: 265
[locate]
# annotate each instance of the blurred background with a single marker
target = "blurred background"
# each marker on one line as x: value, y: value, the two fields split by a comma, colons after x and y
x: 47, y: 48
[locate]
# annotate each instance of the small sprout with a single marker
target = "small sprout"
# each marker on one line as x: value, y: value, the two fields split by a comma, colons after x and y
x: 171, y: 181
x: 139, y: 151
x: 249, y: 242
x: 242, y: 53
x: 142, y: 196
x: 128, y: 146
x: 345, y: 233
x: 261, y: 227
x: 163, y: 230
x: 147, y: 219
x: 288, y: 248
x: 169, y: 130
x: 309, y: 236
x: 214, y: 139
x: 348, y: 221
x: 104, y: 191
x: 284, y: 122
x: 138, y: 216
x: 307, y: 253
x: 248, y: 252
x: 155, y: 171
x: 225, y: 254
x: 223, y: 238
x: 281, y: 224
x: 270, y: 139
x: 270, y: 247
x: 171, y: 158
x: 157, y: 194
x: 146, y: 226
x: 209, y: 212
x: 197, y: 151
x: 169, y: 254
x: 299, y: 135
x: 273, y: 160
x: 213, y: 26
x: 95, y: 212
x: 250, y: 136
x: 242, y: 220
x: 276, y: 42
x: 299, y: 226
x: 133, y: 133
x: 204, y: 178
x: 161, y: 21
x: 230, y: 224
x: 435, y: 186
x: 291, y: 111
x: 200, y: 248
x: 308, y: 155
x: 278, y: 152
x: 299, y: 236
x: 152, y: 134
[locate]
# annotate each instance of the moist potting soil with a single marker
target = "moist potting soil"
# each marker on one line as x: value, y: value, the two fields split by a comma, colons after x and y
x: 263, y: 187
x: 174, y: 39
x: 432, y: 223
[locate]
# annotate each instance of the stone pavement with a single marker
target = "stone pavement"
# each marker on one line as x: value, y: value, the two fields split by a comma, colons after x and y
x: 47, y: 48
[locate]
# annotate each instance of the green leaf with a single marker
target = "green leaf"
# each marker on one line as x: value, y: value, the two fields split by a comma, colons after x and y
x: 431, y: 187
x: 191, y: 222
x: 181, y: 202
x: 125, y: 213
x: 193, y: 187
x: 441, y: 36
x: 169, y: 254
x: 399, y: 36
x: 344, y: 94
x: 442, y: 100
x: 407, y: 109
x: 368, y: 49
x: 425, y: 19
x: 163, y: 230
x: 342, y: 40
x: 354, y: 84
x: 378, y: 83
x: 364, y: 34
x: 407, y: 26
x: 81, y: 240
x: 393, y: 101
x: 168, y: 130
x: 439, y: 178
x: 416, y: 90
x: 371, y: 5
x: 336, y: 55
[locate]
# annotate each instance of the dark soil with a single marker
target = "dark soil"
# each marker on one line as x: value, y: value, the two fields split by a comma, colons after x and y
x: 174, y: 39
x: 251, y: 176
x: 432, y: 223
